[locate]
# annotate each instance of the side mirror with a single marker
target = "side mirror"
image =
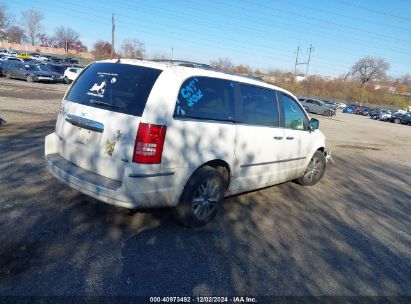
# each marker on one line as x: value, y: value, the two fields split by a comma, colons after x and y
x: 314, y: 124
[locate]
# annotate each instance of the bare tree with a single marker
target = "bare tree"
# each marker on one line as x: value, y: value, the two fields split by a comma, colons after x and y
x: 405, y: 79
x: 102, y: 49
x: 32, y: 23
x: 5, y: 20
x: 65, y: 37
x: 368, y: 68
x: 132, y: 48
x: 15, y: 34
x: 223, y: 64
x: 46, y: 40
x: 243, y: 69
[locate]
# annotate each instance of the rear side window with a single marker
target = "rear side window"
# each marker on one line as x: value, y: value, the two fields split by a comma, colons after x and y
x: 206, y: 98
x: 259, y: 106
x: 116, y: 87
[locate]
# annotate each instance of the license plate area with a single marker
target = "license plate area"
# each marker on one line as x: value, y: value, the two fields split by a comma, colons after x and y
x: 83, y: 136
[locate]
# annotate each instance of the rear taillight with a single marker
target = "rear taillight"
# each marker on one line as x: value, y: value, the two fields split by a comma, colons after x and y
x: 148, y: 148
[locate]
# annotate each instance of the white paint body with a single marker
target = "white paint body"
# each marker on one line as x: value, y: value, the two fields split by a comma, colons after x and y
x: 189, y: 144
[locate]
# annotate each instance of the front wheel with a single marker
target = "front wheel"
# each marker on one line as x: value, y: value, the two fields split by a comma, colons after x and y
x: 327, y: 113
x: 8, y: 75
x: 201, y: 198
x: 66, y: 80
x: 29, y: 78
x: 315, y: 170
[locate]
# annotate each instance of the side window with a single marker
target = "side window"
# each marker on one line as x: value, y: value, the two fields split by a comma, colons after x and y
x: 294, y: 117
x: 206, y: 98
x: 309, y: 101
x: 259, y: 106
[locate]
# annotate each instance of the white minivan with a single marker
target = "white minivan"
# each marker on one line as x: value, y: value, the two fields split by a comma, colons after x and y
x: 144, y: 134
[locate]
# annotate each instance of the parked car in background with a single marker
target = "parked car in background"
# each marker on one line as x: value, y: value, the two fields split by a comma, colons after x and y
x: 23, y: 56
x: 406, y: 119
x: 331, y: 104
x: 70, y: 60
x: 56, y: 68
x: 137, y: 134
x: 29, y: 72
x: 349, y: 110
x: 11, y: 58
x: 3, y: 66
x: 357, y: 110
x: 341, y: 105
x: 55, y: 59
x: 396, y: 117
x: 317, y: 106
x: 364, y: 111
x: 38, y: 57
x: 71, y: 74
x: 385, y: 115
x: 11, y: 53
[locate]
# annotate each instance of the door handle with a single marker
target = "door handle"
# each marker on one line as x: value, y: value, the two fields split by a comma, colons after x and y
x: 290, y: 138
x: 278, y: 137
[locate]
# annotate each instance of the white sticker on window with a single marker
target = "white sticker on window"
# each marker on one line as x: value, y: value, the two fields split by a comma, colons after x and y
x: 98, y: 88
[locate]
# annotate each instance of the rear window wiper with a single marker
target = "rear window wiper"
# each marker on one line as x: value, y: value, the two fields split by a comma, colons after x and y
x: 102, y: 103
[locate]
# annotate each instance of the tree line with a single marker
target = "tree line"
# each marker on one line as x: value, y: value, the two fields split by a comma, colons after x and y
x: 28, y: 28
x: 366, y: 82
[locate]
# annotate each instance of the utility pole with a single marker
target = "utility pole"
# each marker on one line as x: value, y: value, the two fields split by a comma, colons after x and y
x: 172, y: 53
x: 296, y: 61
x: 113, y: 28
x: 311, y: 49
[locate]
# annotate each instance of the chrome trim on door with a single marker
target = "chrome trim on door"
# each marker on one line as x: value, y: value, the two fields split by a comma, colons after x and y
x: 85, y: 123
x: 272, y: 162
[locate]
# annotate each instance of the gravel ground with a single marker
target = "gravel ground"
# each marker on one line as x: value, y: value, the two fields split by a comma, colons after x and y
x: 348, y: 235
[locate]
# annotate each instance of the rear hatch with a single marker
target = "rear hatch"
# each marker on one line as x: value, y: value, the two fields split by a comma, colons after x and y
x: 99, y: 118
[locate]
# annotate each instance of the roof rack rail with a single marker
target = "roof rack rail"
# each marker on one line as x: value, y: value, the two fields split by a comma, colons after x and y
x: 185, y: 63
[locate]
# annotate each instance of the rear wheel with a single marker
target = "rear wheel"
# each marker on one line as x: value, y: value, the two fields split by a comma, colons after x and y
x: 29, y: 78
x: 315, y: 170
x: 66, y: 80
x: 8, y: 75
x: 201, y: 198
x: 327, y: 113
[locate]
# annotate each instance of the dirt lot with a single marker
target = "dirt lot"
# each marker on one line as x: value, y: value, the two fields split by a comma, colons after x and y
x: 348, y: 235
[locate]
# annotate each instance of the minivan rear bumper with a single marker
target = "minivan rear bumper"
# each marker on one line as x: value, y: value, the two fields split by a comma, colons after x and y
x: 146, y: 191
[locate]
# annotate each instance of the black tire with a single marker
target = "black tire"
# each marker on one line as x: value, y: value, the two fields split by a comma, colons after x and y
x: 315, y: 170
x: 397, y: 121
x: 201, y: 198
x: 8, y: 75
x: 66, y: 80
x: 327, y: 113
x: 29, y: 78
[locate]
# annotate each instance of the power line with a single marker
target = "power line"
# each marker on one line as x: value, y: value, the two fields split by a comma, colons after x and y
x: 241, y: 43
x: 372, y: 44
x: 373, y: 10
x: 331, y: 23
x: 316, y: 9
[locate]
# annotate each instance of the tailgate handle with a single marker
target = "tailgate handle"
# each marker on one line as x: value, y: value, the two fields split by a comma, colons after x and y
x: 85, y: 123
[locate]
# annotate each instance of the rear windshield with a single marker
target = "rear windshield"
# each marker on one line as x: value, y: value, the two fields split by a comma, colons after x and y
x: 116, y: 87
